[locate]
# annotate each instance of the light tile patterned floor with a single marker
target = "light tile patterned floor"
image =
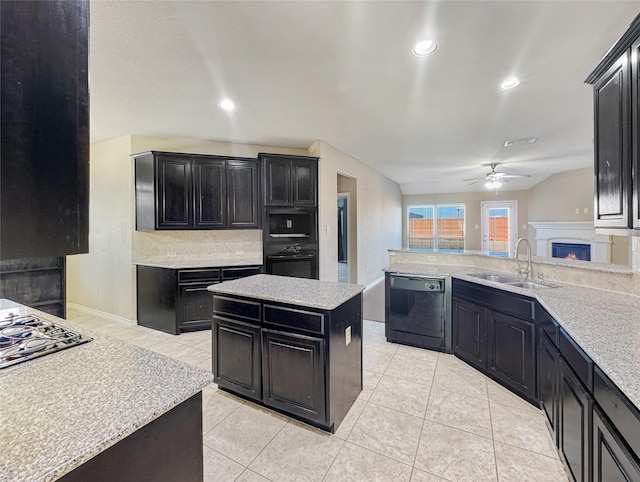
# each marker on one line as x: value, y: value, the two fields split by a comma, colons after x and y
x: 422, y: 416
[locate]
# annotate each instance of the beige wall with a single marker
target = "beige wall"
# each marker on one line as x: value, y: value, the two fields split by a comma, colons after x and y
x: 557, y: 197
x: 379, y: 214
x: 104, y: 279
x: 473, y: 211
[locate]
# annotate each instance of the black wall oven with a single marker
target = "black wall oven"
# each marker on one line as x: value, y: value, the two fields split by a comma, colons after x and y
x: 298, y: 260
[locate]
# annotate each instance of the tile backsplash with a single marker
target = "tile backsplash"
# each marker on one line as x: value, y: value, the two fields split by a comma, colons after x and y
x: 158, y: 246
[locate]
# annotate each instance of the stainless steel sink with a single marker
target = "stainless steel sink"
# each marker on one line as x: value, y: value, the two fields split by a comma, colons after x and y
x: 513, y: 280
x: 496, y: 277
x: 532, y: 285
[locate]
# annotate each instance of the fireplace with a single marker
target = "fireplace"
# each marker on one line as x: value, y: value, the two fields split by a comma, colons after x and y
x: 571, y: 235
x: 571, y: 251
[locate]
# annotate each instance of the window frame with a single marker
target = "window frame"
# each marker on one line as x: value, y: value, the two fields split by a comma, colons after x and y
x: 435, y: 237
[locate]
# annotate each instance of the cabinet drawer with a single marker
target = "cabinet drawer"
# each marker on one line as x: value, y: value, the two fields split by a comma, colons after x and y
x: 249, y: 310
x: 577, y: 359
x: 300, y: 319
x: 548, y: 325
x: 618, y: 408
x: 186, y: 276
x: 504, y: 301
x: 235, y: 273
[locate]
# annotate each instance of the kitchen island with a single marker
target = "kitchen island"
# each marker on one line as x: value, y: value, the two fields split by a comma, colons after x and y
x: 291, y: 344
x: 103, y: 410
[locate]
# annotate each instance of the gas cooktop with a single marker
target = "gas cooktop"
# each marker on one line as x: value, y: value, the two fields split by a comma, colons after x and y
x: 24, y: 337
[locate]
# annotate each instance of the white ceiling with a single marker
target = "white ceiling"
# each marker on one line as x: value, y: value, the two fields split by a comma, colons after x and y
x: 343, y: 72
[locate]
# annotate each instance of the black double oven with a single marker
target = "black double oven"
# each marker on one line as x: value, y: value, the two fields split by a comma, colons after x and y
x: 291, y: 241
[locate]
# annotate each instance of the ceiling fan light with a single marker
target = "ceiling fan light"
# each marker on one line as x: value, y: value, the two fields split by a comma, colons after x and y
x: 493, y: 184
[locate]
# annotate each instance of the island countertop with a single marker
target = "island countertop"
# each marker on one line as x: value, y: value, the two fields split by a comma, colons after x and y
x: 62, y: 409
x: 324, y: 295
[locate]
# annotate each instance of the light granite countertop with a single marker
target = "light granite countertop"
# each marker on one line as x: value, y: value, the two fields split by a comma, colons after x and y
x: 606, y: 324
x: 324, y: 295
x: 200, y: 263
x: 62, y: 409
x: 568, y: 263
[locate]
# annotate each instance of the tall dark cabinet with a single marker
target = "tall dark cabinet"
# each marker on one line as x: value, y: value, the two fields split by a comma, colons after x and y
x: 176, y: 191
x: 616, y: 112
x: 44, y: 188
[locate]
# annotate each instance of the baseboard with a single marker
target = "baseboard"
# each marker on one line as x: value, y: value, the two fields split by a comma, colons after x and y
x: 102, y: 314
x: 374, y: 283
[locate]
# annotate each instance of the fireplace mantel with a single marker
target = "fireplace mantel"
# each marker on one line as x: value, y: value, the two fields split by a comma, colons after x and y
x: 571, y: 232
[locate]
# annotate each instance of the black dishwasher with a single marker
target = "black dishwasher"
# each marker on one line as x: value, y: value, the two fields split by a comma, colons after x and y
x: 417, y: 311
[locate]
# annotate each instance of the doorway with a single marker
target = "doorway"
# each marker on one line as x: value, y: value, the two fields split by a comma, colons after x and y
x: 343, y: 237
x: 499, y: 227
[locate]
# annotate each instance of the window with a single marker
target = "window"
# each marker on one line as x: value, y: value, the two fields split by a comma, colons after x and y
x: 436, y: 227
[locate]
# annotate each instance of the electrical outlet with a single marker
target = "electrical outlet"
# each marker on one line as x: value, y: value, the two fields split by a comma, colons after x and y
x: 366, y: 271
x: 239, y: 252
x: 289, y: 224
x: 585, y: 210
x: 577, y: 210
x: 347, y: 335
x: 171, y: 254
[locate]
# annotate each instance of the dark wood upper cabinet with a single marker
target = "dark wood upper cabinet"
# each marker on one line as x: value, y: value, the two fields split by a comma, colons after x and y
x: 191, y: 191
x: 612, y: 143
x: 635, y: 136
x: 616, y: 80
x: 289, y: 180
x: 210, y: 193
x: 44, y: 98
x: 174, y: 193
x: 243, y: 194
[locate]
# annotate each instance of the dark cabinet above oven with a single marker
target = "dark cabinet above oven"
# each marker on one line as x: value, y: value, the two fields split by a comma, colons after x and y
x: 193, y: 191
x: 289, y: 180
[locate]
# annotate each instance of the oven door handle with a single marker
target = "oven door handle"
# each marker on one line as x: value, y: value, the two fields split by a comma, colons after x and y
x: 291, y: 256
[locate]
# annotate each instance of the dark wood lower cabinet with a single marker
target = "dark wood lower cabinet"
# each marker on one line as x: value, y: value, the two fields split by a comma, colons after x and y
x: 574, y: 415
x: 237, y: 356
x: 177, y: 300
x: 293, y: 374
x: 511, y: 352
x: 548, y: 382
x: 612, y: 459
x: 302, y: 361
x: 498, y: 344
x: 469, y: 329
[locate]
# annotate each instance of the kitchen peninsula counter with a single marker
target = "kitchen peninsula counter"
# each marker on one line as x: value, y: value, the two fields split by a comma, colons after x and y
x: 291, y: 344
x: 605, y: 324
x: 63, y: 409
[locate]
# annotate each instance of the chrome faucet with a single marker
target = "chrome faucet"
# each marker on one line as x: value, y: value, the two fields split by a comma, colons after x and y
x: 523, y: 271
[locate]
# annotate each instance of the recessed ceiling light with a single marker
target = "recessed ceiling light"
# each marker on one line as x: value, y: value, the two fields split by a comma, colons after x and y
x: 227, y: 105
x: 509, y: 83
x: 425, y: 47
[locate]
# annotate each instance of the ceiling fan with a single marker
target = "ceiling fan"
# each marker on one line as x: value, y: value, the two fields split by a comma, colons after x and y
x: 495, y: 179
